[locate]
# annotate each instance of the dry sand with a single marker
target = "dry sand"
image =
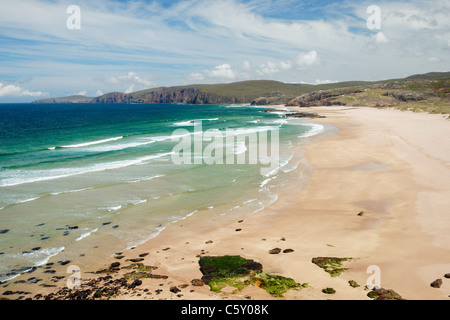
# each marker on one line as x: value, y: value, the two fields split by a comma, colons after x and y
x: 392, y: 165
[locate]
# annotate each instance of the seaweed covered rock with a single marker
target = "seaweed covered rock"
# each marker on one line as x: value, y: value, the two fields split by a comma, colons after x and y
x: 227, y: 267
x: 383, y: 294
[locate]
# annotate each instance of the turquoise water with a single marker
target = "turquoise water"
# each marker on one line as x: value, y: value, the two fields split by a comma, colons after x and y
x: 74, y: 177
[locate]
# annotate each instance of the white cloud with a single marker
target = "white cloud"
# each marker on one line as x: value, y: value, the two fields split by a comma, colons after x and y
x: 222, y: 71
x: 308, y: 59
x: 318, y: 81
x: 11, y: 90
x: 302, y: 61
x: 195, y: 76
x: 128, y: 82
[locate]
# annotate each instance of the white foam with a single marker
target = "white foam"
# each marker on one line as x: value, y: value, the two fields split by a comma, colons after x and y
x: 115, y: 208
x: 92, y: 143
x: 191, y: 122
x: 147, y: 179
x: 30, y: 176
x: 27, y: 200
x: 70, y: 191
x: 118, y: 147
x: 262, y: 184
x: 87, y: 234
x: 315, y: 130
x: 48, y: 254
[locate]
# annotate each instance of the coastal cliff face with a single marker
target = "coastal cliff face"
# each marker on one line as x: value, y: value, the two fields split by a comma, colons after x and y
x: 168, y: 95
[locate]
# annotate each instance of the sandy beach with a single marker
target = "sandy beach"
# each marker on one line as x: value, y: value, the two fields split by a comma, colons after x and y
x: 391, y: 165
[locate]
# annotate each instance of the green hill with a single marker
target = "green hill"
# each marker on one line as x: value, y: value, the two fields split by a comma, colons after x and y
x: 268, y: 92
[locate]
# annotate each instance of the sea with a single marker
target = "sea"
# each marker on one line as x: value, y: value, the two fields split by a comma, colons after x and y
x: 83, y: 181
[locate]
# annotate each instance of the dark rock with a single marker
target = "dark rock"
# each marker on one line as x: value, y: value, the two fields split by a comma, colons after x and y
x: 73, y: 228
x: 33, y: 280
x: 115, y: 227
x: 383, y: 294
x: 135, y: 284
x: 174, y: 290
x: 4, y: 231
x: 288, y: 250
x: 436, y: 283
x: 447, y: 275
x: 63, y: 263
x: 143, y: 255
x: 114, y: 265
x: 197, y: 282
x: 304, y: 115
x: 275, y: 251
x: 82, y: 295
x: 136, y: 260
x: 50, y: 271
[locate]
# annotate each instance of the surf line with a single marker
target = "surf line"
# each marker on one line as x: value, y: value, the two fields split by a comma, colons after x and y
x: 221, y: 148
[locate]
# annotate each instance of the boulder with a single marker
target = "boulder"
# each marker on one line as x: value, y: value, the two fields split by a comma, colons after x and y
x: 436, y: 283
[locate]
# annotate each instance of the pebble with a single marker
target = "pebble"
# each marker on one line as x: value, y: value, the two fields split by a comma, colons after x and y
x: 4, y: 231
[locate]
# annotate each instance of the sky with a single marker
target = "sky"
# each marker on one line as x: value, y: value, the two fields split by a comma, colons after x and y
x: 55, y: 48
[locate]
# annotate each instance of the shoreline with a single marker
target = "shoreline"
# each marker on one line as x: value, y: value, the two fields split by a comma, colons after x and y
x: 387, y: 170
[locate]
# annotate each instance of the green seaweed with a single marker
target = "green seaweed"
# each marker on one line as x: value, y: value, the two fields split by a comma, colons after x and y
x: 331, y: 265
x: 238, y: 273
x: 278, y: 285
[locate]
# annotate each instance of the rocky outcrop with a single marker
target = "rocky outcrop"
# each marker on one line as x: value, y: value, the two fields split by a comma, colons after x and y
x: 304, y: 115
x: 320, y: 98
x: 409, y: 95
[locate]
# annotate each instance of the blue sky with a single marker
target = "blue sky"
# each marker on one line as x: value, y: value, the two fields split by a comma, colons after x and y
x: 132, y: 45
